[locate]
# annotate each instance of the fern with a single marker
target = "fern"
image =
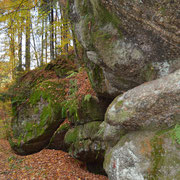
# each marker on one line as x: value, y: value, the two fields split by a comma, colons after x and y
x: 70, y: 105
x: 71, y: 74
x: 87, y: 97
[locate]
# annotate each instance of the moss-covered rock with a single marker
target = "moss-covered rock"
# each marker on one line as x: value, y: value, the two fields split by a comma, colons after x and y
x: 131, y: 42
x: 144, y: 155
x: 83, y: 144
x: 153, y: 105
x: 90, y: 109
x: 52, y: 95
x: 36, y: 119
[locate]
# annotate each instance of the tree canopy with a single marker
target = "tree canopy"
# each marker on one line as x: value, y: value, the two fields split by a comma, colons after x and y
x: 32, y: 33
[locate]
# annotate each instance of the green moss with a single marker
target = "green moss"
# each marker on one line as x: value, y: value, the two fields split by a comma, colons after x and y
x: 157, y: 155
x: 91, y: 128
x: 47, y: 90
x: 63, y: 127
x: 84, y: 6
x: 90, y: 109
x: 94, y: 16
x: 175, y: 133
x: 36, y: 110
x: 107, y: 160
x: 104, y: 16
x: 124, y: 115
x: 119, y: 104
x: 71, y: 136
x: 109, y: 17
x: 96, y: 77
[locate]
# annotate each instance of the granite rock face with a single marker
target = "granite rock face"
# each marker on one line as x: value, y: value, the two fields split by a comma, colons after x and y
x: 139, y: 128
x: 153, y: 105
x: 144, y: 155
x: 129, y: 42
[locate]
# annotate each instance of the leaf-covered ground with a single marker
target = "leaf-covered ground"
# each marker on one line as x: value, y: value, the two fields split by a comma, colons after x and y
x: 47, y: 164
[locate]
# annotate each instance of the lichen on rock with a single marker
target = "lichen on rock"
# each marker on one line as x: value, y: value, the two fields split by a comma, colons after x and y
x: 127, y: 40
x: 143, y: 155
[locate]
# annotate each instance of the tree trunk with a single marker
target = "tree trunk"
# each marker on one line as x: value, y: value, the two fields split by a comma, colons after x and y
x: 46, y: 40
x: 56, y: 34
x: 52, y: 33
x: 28, y: 25
x: 12, y: 53
x: 20, y: 48
x: 35, y: 50
x: 42, y: 43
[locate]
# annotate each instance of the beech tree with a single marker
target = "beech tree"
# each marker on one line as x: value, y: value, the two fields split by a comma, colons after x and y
x: 37, y: 32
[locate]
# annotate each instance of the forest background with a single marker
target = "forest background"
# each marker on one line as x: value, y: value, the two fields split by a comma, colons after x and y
x: 31, y: 34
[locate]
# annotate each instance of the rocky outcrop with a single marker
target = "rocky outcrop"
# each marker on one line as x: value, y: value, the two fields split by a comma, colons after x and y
x: 153, y: 105
x: 131, y: 50
x: 139, y: 131
x: 127, y: 42
x: 56, y: 108
x: 144, y: 155
x: 82, y: 143
x: 36, y: 119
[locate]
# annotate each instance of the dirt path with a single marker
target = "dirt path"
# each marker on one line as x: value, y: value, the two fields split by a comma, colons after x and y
x: 47, y: 164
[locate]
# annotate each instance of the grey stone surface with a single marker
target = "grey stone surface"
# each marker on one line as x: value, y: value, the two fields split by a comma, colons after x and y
x: 152, y: 105
x: 82, y: 143
x: 132, y: 41
x: 143, y: 155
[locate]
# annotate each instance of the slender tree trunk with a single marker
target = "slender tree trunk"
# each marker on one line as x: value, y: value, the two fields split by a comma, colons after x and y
x: 42, y: 43
x: 56, y: 19
x: 64, y: 30
x: 52, y: 33
x: 35, y: 50
x: 28, y: 56
x: 12, y: 53
x: 20, y: 48
x: 46, y: 40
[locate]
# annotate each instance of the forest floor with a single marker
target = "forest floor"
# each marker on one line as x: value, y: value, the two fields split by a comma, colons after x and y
x: 46, y: 164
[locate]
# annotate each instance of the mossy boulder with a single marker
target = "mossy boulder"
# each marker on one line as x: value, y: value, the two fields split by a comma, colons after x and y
x: 90, y: 109
x: 47, y: 99
x: 82, y: 143
x: 154, y: 105
x: 36, y: 119
x: 144, y: 155
x: 129, y: 42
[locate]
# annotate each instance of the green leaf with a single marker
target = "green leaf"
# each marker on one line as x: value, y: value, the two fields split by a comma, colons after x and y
x: 87, y: 97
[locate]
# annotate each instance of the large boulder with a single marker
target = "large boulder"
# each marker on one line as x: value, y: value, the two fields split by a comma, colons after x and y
x: 144, y: 155
x: 90, y: 109
x: 127, y: 42
x: 154, y: 105
x: 36, y: 119
x: 82, y: 143
x: 43, y: 98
